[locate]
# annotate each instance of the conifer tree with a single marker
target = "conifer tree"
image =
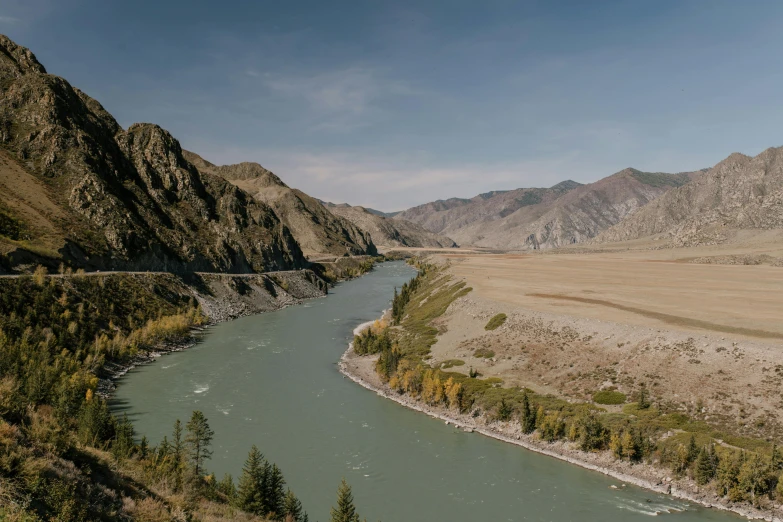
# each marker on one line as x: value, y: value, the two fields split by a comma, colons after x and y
x: 275, y: 491
x: 249, y: 493
x: 504, y: 410
x: 693, y: 449
x: 177, y: 454
x: 644, y: 402
x: 143, y: 448
x: 528, y: 420
x: 164, y: 448
x: 704, y: 470
x: 226, y: 486
x: 122, y: 447
x: 198, y: 441
x: 292, y: 508
x: 775, y: 459
x: 345, y: 510
x: 95, y: 422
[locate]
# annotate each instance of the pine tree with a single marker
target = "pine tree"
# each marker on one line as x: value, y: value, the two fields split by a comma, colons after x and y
x: 143, y: 448
x: 226, y: 486
x: 275, y: 488
x: 704, y: 470
x: 395, y: 307
x: 345, y: 510
x: 249, y: 493
x: 198, y: 441
x: 177, y: 454
x: 693, y: 449
x: 775, y: 459
x: 164, y: 449
x: 592, y: 434
x: 644, y: 402
x: 95, y: 422
x: 292, y: 508
x: 504, y: 410
x: 122, y: 446
x: 528, y: 420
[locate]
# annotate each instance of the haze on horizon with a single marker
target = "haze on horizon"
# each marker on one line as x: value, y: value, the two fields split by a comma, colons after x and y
x: 394, y: 105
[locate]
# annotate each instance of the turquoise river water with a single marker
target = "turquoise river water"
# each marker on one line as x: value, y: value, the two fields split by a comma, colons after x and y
x: 272, y: 380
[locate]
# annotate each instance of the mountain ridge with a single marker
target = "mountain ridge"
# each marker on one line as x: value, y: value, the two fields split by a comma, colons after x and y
x: 391, y: 233
x: 124, y: 199
x: 534, y: 218
x: 316, y: 229
x: 740, y: 192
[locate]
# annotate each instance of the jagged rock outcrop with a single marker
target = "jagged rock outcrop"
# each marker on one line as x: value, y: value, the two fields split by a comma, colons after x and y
x: 317, y: 230
x: 537, y: 218
x: 118, y: 199
x: 388, y: 233
x: 738, y: 193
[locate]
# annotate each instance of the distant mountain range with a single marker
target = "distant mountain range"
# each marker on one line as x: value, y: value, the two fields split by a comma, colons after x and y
x: 534, y: 218
x: 75, y: 187
x: 388, y: 232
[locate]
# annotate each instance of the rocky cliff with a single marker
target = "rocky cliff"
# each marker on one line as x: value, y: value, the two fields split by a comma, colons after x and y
x: 79, y: 188
x: 317, y: 230
x: 739, y: 193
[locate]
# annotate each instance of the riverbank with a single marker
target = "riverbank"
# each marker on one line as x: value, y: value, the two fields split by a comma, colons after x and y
x: 361, y: 370
x: 224, y: 297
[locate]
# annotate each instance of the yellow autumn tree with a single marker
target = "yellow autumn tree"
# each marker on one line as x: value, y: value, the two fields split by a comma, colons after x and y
x: 39, y: 276
x: 616, y: 445
x: 439, y: 396
x: 629, y: 448
x: 452, y: 390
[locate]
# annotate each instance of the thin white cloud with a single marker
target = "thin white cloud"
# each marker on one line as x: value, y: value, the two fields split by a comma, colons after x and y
x: 394, y: 183
x: 339, y: 100
x: 8, y: 20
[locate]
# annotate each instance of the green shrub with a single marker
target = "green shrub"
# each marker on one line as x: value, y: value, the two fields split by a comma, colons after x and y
x: 484, y: 353
x: 609, y: 397
x: 452, y: 363
x: 495, y: 322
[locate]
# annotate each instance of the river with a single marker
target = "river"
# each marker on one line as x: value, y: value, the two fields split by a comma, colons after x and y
x: 272, y: 380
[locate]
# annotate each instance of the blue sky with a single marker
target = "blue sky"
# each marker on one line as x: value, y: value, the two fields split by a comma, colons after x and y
x: 392, y: 104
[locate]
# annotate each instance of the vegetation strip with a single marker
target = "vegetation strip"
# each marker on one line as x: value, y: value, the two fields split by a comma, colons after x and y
x: 640, y: 440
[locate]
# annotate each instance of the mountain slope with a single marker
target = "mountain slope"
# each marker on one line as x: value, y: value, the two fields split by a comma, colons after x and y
x: 98, y: 196
x: 535, y: 218
x: 453, y: 216
x: 391, y: 232
x: 317, y: 230
x: 738, y: 193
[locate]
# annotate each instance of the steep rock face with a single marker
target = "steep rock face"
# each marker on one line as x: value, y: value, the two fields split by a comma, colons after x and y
x: 388, y: 232
x: 536, y: 218
x: 738, y: 193
x: 126, y: 199
x: 317, y: 230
